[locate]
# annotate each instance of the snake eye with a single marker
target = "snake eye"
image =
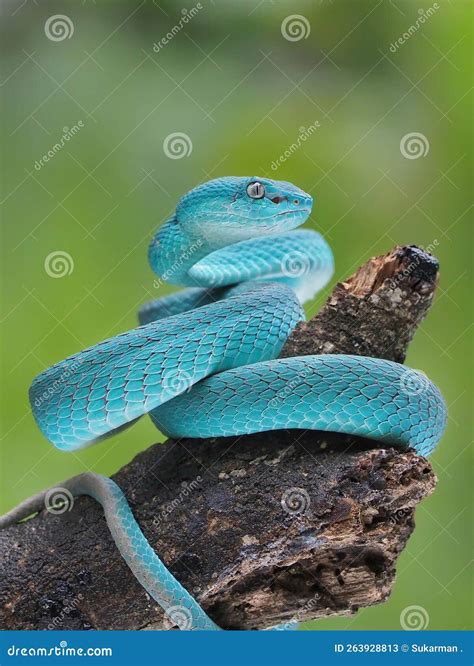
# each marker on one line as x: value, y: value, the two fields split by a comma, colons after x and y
x: 256, y: 190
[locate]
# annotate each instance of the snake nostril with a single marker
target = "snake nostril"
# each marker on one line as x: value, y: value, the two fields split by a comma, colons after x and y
x: 296, y: 202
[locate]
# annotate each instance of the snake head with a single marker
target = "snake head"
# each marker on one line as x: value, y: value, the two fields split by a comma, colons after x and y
x: 240, y: 208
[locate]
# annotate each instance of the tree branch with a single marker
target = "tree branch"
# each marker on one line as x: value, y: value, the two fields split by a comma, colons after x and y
x: 262, y: 529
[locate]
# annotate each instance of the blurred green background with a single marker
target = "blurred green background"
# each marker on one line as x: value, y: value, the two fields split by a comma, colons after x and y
x: 242, y: 93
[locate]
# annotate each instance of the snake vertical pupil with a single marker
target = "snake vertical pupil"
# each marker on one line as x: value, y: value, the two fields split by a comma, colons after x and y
x: 256, y: 190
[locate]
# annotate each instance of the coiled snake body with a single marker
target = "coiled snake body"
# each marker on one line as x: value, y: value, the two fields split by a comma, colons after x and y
x: 203, y: 361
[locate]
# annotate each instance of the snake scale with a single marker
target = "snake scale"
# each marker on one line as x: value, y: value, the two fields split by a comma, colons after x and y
x: 203, y: 361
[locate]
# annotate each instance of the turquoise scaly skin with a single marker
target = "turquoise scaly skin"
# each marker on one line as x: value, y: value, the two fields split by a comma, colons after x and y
x: 203, y: 361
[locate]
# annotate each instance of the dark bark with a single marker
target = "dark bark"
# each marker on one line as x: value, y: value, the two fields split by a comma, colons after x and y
x: 224, y: 514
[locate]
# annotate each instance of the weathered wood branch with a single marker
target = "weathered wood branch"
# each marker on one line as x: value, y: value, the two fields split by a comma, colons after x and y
x: 224, y: 514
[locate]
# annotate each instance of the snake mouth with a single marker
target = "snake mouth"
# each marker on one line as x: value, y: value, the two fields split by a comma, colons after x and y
x: 298, y: 217
x: 292, y: 212
x: 285, y: 213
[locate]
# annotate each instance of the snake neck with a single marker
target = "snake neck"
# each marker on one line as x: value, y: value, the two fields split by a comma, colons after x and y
x: 173, y: 252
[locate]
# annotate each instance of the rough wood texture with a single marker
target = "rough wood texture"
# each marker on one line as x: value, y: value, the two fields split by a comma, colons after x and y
x: 262, y: 529
x: 375, y: 312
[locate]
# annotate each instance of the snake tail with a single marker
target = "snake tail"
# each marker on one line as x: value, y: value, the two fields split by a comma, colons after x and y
x: 149, y: 570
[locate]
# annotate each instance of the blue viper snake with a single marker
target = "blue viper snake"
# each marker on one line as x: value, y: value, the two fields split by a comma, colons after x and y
x: 204, y: 361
